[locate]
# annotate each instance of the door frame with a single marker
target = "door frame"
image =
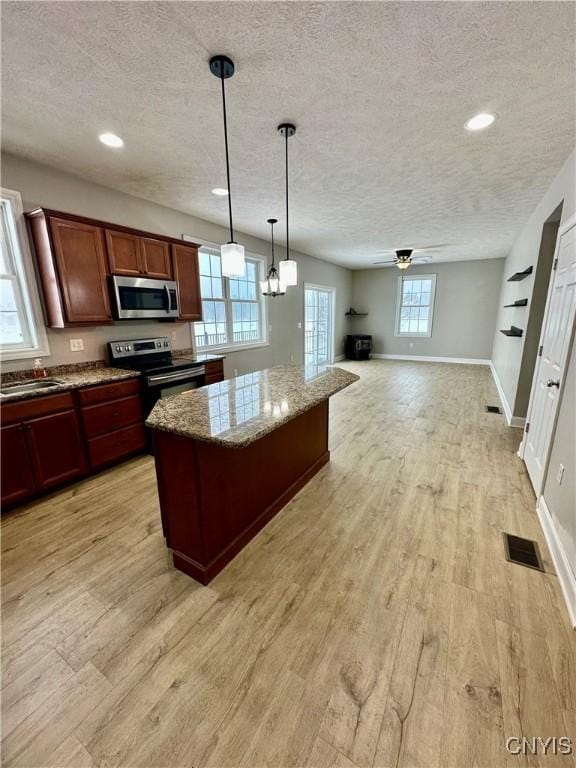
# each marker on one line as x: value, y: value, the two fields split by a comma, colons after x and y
x: 332, y: 290
x: 571, y: 222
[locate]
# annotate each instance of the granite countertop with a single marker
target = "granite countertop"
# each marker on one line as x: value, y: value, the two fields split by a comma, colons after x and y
x: 197, y: 357
x: 239, y: 411
x: 83, y: 377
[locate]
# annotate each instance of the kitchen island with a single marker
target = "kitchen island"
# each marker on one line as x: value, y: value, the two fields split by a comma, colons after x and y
x: 230, y: 455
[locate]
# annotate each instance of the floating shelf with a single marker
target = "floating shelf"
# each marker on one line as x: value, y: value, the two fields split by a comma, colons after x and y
x: 356, y: 314
x: 519, y: 303
x: 513, y: 331
x: 520, y: 275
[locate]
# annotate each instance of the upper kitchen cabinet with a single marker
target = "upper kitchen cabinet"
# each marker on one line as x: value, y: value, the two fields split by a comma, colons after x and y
x: 135, y: 256
x: 72, y: 268
x: 76, y: 257
x: 186, y: 274
x: 156, y: 258
x: 124, y: 253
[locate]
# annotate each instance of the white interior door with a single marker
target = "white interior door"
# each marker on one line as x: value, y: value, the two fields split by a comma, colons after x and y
x: 550, y: 371
x: 318, y: 324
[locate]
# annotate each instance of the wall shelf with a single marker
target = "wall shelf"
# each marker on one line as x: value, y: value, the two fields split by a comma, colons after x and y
x: 513, y: 331
x: 520, y: 275
x: 519, y: 303
x: 352, y: 313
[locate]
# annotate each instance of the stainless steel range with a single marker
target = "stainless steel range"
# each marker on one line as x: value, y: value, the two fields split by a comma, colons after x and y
x: 162, y: 374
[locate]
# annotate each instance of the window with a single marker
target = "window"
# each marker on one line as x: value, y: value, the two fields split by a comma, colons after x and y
x: 233, y: 308
x: 415, y: 305
x: 22, y: 333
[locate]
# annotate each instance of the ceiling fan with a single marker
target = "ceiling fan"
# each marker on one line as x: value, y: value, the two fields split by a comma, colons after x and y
x: 405, y: 256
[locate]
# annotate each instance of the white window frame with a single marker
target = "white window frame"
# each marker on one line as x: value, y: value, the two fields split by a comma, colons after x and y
x: 331, y: 340
x: 414, y: 334
x: 27, y: 295
x: 263, y: 306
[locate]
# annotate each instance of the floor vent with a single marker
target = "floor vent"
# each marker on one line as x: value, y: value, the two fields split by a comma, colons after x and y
x: 493, y: 409
x: 522, y: 551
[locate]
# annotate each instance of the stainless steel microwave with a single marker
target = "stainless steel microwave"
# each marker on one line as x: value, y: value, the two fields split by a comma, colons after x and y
x: 142, y: 298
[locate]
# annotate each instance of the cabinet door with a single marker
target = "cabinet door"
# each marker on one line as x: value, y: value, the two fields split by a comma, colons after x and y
x: 185, y: 260
x: 156, y: 258
x: 55, y: 448
x: 17, y: 477
x: 82, y: 271
x: 124, y: 256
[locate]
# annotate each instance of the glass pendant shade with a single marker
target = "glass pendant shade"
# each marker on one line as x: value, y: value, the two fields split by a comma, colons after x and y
x: 289, y: 272
x: 233, y: 264
x: 403, y: 264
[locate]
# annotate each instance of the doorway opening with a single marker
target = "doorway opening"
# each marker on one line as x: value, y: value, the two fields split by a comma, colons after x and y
x: 536, y: 310
x: 318, y: 324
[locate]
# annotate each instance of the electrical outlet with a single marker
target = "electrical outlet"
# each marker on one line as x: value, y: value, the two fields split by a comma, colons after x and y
x: 291, y: 358
x: 560, y: 474
x: 76, y: 345
x: 411, y: 345
x: 235, y: 372
x: 300, y: 325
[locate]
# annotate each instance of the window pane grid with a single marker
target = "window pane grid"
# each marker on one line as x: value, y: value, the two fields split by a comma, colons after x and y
x: 415, y: 308
x: 231, y: 307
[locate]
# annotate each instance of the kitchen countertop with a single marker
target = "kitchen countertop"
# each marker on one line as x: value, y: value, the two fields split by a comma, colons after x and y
x: 239, y: 411
x: 85, y: 377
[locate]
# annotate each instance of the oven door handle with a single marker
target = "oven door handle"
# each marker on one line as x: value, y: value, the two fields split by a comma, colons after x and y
x: 191, y: 373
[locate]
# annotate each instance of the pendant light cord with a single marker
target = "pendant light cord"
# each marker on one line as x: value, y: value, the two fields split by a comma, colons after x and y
x: 287, y: 227
x: 227, y: 158
x: 272, y: 238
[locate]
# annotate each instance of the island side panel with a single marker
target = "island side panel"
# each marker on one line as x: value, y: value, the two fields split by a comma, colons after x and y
x: 238, y: 490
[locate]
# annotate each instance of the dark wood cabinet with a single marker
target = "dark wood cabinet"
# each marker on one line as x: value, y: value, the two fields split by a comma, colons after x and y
x: 17, y: 476
x: 123, y: 253
x: 156, y: 258
x: 55, y: 448
x: 186, y: 274
x: 214, y: 371
x: 76, y: 255
x: 79, y: 250
x: 41, y: 446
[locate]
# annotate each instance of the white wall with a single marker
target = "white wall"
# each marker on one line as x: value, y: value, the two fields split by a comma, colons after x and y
x: 464, y: 309
x: 507, y: 353
x: 41, y: 185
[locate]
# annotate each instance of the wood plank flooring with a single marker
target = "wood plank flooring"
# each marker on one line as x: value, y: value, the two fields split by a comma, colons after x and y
x: 373, y: 622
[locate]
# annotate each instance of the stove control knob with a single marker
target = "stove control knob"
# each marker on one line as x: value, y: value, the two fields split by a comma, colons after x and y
x: 127, y: 348
x: 165, y: 343
x: 118, y: 348
x: 158, y: 343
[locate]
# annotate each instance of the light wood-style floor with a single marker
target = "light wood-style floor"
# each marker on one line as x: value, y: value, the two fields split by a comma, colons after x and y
x: 374, y: 621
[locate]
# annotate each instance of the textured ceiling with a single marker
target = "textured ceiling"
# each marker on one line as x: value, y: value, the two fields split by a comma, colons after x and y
x: 379, y: 91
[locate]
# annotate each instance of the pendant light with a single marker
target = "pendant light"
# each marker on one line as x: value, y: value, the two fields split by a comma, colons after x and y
x: 288, y: 267
x: 272, y: 285
x: 232, y: 254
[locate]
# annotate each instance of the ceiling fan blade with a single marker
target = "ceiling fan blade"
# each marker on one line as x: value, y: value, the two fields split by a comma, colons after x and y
x: 393, y: 261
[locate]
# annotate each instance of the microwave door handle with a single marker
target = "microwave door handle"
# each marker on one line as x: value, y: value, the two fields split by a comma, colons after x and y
x: 167, y: 297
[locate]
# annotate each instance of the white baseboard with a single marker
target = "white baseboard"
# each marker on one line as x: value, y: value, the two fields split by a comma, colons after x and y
x: 512, y: 421
x: 566, y: 576
x: 338, y: 358
x: 426, y: 359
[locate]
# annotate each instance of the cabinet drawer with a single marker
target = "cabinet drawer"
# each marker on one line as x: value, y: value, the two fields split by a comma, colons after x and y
x: 35, y: 406
x: 214, y: 368
x: 115, y: 445
x: 107, y: 417
x: 102, y: 392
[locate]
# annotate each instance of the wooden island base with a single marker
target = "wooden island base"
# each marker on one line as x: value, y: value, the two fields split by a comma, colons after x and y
x: 214, y: 499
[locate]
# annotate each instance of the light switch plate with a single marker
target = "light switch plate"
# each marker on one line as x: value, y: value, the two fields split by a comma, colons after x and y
x: 76, y: 345
x: 299, y: 325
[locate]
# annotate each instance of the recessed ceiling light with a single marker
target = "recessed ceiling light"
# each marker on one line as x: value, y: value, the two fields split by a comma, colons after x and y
x: 480, y: 121
x: 220, y: 191
x: 111, y: 140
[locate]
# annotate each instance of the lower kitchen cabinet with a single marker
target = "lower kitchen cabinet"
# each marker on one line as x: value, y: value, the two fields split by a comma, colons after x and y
x: 55, y: 448
x: 17, y: 475
x: 50, y: 440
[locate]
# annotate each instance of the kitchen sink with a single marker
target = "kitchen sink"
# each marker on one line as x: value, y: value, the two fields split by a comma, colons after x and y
x: 28, y: 386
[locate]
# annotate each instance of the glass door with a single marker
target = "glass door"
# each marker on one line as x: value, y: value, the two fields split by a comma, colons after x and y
x: 318, y: 324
